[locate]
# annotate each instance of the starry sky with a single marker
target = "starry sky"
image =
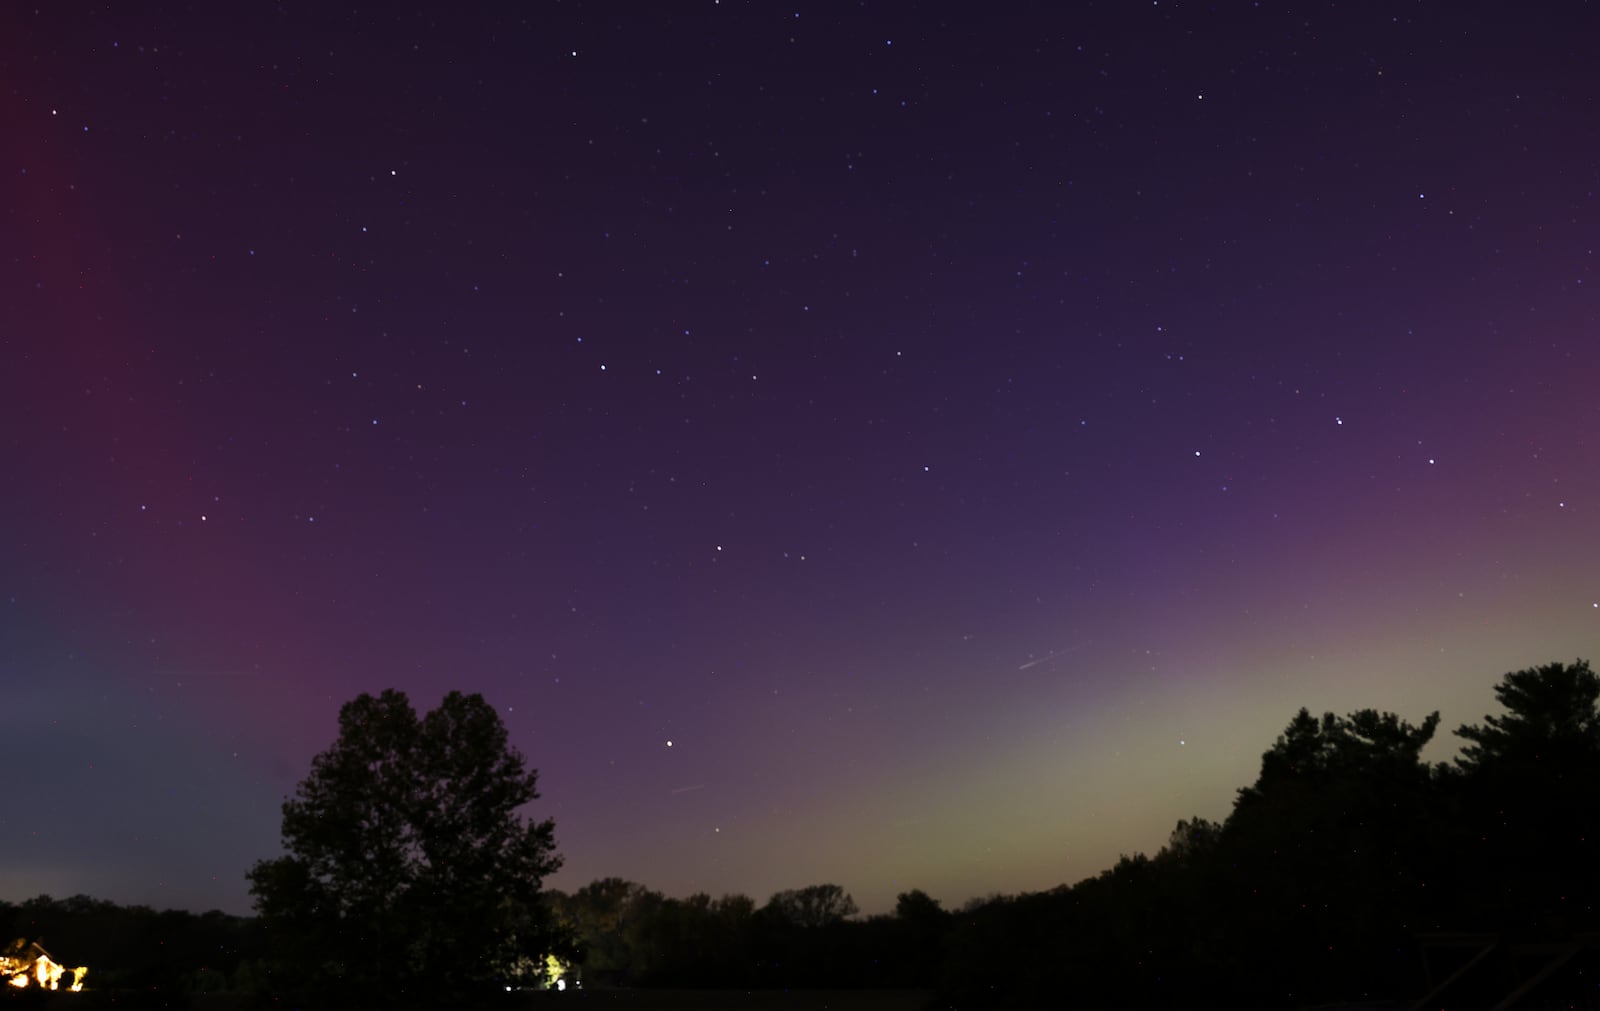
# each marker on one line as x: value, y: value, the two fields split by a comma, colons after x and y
x: 905, y: 445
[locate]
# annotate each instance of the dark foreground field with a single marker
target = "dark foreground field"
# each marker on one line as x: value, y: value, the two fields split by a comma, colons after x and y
x: 731, y: 1000
x: 620, y: 999
x: 571, y: 1000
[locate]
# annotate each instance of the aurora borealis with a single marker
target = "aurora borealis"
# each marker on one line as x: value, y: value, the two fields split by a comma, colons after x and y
x: 967, y: 435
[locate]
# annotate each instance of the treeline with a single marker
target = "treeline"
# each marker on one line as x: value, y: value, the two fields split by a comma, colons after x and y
x: 621, y: 933
x: 136, y: 949
x: 1325, y: 881
x: 1331, y: 873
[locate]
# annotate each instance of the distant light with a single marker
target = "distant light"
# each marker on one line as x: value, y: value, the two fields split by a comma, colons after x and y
x: 669, y: 744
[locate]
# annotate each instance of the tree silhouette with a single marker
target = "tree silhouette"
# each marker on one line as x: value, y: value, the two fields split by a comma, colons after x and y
x: 1328, y: 852
x: 1528, y: 819
x: 917, y: 906
x: 409, y: 877
x: 1192, y: 839
x: 1550, y: 714
x: 812, y: 906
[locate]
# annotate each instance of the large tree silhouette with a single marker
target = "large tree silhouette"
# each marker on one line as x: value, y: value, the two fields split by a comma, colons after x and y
x: 410, y: 876
x: 1327, y: 854
x: 1550, y: 715
x: 1529, y: 820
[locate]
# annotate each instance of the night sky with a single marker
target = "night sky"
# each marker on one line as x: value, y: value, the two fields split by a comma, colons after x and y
x: 901, y: 445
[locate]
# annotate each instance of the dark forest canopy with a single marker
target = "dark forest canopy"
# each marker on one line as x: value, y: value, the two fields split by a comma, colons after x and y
x: 1325, y: 882
x: 137, y: 948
